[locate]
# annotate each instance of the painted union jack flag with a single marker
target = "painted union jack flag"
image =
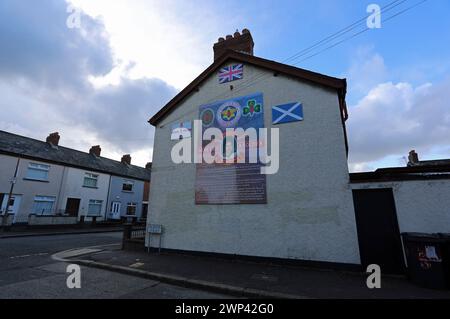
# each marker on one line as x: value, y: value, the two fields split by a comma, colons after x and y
x: 231, y: 73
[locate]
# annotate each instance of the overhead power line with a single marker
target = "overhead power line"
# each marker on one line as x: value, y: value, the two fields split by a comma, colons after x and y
x: 362, y: 31
x: 390, y: 6
x: 343, y: 31
x: 327, y: 40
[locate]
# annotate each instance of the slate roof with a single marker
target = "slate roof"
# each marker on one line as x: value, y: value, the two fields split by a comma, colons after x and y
x: 438, y: 169
x: 441, y: 162
x: 16, y: 145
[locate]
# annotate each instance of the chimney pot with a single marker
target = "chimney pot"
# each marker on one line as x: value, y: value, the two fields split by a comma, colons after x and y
x: 95, y: 150
x: 53, y: 139
x: 413, y: 158
x: 221, y: 39
x: 126, y: 159
x: 240, y: 42
x: 148, y: 165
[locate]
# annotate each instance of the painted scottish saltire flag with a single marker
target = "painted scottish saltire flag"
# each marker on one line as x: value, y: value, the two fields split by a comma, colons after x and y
x: 231, y: 73
x: 291, y: 112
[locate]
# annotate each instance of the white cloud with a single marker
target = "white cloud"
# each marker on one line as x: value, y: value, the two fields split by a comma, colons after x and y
x: 114, y: 116
x: 367, y: 69
x: 395, y: 118
x: 360, y: 167
x: 171, y: 40
x: 45, y: 73
x: 99, y: 84
x: 387, y: 119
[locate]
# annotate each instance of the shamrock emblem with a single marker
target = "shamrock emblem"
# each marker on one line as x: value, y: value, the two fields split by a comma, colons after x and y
x: 251, y: 108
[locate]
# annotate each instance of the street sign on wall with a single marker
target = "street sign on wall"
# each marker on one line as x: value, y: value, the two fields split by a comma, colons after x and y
x: 154, y: 229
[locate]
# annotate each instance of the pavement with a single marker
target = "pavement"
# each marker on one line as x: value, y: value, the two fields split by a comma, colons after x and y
x: 35, y: 267
x: 247, y: 279
x: 28, y: 271
x: 58, y: 231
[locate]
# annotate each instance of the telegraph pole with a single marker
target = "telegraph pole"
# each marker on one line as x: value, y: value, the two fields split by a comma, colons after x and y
x: 13, y: 182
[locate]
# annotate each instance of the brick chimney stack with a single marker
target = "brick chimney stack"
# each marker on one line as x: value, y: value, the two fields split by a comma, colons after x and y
x: 126, y: 159
x: 95, y: 150
x: 413, y: 158
x: 241, y: 42
x: 53, y: 139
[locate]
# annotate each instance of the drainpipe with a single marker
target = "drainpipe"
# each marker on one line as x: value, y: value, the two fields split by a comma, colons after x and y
x: 11, y: 190
x: 58, y: 200
x: 107, y: 197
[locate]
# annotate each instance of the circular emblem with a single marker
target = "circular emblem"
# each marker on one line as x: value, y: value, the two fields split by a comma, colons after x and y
x: 229, y: 114
x: 207, y: 117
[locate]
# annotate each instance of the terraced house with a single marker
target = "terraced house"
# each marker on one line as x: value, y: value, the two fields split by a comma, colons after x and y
x: 45, y: 183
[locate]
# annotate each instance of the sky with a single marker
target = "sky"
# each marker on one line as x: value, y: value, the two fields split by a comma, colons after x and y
x: 99, y: 81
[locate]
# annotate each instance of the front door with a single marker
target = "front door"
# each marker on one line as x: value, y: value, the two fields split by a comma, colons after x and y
x: 144, y: 211
x: 378, y: 231
x: 2, y: 196
x: 14, y: 204
x: 115, y: 210
x: 73, y: 207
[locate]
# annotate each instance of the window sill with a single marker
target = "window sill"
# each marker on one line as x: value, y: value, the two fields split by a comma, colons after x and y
x: 36, y: 180
x: 128, y: 192
x: 43, y: 215
x: 84, y: 186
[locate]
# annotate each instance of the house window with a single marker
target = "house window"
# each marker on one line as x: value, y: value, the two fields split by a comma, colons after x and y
x: 127, y: 186
x: 95, y: 207
x: 38, y: 172
x: 90, y: 180
x: 131, y: 209
x: 43, y: 205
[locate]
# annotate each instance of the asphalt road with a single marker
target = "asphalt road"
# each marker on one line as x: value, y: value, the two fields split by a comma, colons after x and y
x: 28, y: 271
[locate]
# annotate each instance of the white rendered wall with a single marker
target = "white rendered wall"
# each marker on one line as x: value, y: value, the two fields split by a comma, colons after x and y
x: 309, y: 214
x: 422, y: 206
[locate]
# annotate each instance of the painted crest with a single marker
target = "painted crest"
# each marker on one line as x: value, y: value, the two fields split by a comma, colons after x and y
x: 207, y: 117
x: 228, y: 114
x: 251, y: 108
